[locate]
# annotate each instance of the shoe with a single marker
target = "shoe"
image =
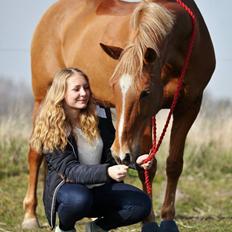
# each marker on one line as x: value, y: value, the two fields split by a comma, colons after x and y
x: 59, y: 230
x: 93, y: 227
x: 168, y: 225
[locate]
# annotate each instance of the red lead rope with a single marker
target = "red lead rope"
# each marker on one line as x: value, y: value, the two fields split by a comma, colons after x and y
x: 155, y: 147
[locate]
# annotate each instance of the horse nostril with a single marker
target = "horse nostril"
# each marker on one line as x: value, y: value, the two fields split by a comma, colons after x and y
x: 126, y: 160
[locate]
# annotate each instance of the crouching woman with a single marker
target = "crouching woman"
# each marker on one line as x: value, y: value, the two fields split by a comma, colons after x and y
x: 83, y: 179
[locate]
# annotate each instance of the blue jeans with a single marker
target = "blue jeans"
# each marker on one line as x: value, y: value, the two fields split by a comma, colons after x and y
x: 114, y: 204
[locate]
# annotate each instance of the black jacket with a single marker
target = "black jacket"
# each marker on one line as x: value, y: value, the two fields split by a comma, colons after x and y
x: 64, y: 166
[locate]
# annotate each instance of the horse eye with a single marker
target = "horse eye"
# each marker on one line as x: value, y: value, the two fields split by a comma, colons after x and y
x: 144, y: 94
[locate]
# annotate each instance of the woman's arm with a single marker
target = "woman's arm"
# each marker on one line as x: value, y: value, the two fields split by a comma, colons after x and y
x: 66, y: 165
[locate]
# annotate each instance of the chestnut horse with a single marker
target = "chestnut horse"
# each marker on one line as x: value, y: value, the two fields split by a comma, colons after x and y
x: 133, y: 54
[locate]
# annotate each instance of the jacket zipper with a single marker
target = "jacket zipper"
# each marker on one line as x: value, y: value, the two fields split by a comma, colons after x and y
x: 53, y: 200
x: 72, y: 148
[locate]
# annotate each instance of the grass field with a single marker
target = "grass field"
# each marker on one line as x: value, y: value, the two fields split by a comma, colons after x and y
x: 204, y: 196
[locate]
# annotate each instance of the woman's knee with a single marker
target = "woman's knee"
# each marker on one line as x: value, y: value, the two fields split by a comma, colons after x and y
x: 142, y: 205
x: 136, y: 202
x: 147, y: 205
x: 134, y: 198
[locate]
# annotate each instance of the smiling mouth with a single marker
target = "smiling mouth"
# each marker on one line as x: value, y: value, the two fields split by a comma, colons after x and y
x: 84, y: 100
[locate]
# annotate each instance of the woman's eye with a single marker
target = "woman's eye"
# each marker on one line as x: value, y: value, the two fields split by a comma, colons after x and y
x: 144, y: 94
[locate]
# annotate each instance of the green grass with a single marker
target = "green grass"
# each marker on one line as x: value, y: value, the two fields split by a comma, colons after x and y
x: 204, y: 198
x: 204, y: 195
x: 203, y: 205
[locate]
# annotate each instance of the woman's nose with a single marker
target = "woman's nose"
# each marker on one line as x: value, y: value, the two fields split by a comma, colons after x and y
x: 82, y: 92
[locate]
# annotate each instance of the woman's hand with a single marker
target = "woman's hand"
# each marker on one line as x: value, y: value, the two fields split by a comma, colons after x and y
x: 140, y: 161
x: 118, y: 172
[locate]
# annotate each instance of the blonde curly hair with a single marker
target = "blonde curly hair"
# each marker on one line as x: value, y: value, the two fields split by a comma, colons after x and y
x: 52, y: 124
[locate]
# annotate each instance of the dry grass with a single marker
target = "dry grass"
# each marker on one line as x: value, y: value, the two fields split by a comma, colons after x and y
x: 212, y: 126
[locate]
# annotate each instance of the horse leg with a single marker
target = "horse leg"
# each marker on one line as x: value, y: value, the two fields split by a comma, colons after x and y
x: 149, y: 223
x: 183, y: 118
x: 30, y: 201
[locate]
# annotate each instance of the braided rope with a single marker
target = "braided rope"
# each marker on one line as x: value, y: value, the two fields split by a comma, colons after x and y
x: 155, y: 147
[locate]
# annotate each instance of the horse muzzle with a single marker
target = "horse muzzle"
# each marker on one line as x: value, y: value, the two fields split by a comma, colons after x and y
x: 126, y: 160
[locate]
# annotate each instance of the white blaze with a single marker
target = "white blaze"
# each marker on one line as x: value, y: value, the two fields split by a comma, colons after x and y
x: 124, y: 83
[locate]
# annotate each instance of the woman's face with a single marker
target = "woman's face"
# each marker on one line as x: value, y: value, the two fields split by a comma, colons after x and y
x: 78, y: 92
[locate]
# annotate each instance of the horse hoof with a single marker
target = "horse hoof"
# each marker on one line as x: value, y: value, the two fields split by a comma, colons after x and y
x: 30, y: 223
x: 168, y: 226
x: 150, y: 227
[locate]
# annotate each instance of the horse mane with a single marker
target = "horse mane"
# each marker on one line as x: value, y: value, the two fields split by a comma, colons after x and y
x: 150, y: 24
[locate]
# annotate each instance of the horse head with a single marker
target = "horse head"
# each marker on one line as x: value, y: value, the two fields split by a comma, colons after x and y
x: 136, y: 81
x: 137, y: 98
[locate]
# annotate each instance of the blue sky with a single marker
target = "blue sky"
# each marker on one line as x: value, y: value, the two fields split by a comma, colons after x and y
x: 19, y: 18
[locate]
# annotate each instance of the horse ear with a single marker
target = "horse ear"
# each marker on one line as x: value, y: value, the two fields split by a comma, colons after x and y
x: 112, y: 51
x: 150, y: 55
